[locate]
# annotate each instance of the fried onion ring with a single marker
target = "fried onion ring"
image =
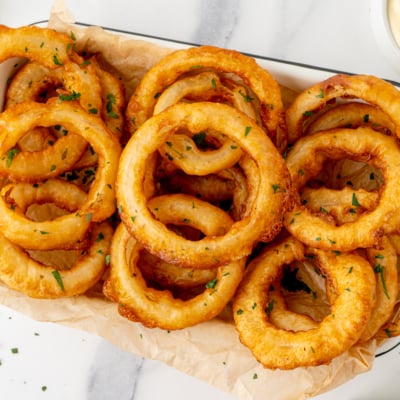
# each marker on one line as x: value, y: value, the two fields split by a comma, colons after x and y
x: 384, y: 264
x: 24, y: 274
x: 265, y: 215
x: 15, y: 122
x: 365, y: 87
x: 305, y: 160
x: 350, y: 276
x: 15, y: 198
x: 197, y: 59
x: 155, y: 308
x: 46, y: 46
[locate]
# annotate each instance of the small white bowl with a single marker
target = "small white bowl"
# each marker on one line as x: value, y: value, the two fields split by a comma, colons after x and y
x: 380, y: 22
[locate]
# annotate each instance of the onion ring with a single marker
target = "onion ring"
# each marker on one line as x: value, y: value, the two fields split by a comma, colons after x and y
x: 46, y: 46
x: 140, y: 302
x: 170, y: 68
x: 22, y: 273
x: 384, y: 264
x: 368, y: 88
x: 350, y: 310
x: 272, y: 199
x: 352, y: 115
x: 15, y: 198
x: 368, y: 228
x: 15, y: 122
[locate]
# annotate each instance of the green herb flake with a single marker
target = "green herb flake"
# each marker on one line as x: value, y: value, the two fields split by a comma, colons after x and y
x: 69, y: 97
x: 10, y: 156
x: 255, y: 376
x: 307, y: 113
x: 15, y: 350
x: 277, y: 188
x: 57, y: 277
x: 380, y: 269
x: 239, y: 312
x: 56, y: 60
x: 211, y: 284
x: 269, y: 307
x: 246, y: 97
x: 247, y: 130
x: 354, y: 201
x: 44, y: 388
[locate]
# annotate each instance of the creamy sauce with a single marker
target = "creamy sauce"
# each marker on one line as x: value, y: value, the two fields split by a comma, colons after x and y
x: 393, y: 12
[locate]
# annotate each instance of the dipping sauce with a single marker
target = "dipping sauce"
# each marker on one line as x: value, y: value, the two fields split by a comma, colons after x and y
x: 393, y: 12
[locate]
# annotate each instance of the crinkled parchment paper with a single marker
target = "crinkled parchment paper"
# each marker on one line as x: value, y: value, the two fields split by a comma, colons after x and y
x: 210, y: 351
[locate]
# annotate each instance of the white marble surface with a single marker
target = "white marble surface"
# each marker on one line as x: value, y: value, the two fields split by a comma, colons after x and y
x: 52, y: 362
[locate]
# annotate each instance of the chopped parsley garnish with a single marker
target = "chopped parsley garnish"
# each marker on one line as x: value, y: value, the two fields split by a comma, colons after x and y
x: 56, y: 60
x: 69, y: 97
x: 10, y: 156
x: 57, y: 277
x: 354, y: 201
x: 380, y: 269
x: 269, y: 307
x: 211, y: 284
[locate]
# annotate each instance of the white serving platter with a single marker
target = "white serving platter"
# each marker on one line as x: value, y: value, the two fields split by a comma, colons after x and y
x: 296, y: 77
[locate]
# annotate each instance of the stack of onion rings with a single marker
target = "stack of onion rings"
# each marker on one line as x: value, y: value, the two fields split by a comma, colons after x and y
x: 193, y: 202
x: 43, y: 139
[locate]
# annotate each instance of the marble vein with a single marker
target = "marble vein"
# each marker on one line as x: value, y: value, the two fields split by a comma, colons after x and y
x: 217, y: 20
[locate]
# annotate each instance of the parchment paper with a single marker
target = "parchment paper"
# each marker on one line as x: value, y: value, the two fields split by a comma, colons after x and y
x: 210, y: 351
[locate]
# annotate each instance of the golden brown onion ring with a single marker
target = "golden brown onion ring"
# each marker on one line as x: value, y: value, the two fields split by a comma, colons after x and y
x: 197, y: 59
x: 15, y: 198
x: 349, y: 275
x: 68, y: 81
x: 365, y: 87
x: 15, y: 122
x: 158, y: 308
x: 384, y: 264
x: 45, y: 46
x: 22, y: 273
x: 265, y: 216
x: 352, y: 115
x: 305, y: 160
